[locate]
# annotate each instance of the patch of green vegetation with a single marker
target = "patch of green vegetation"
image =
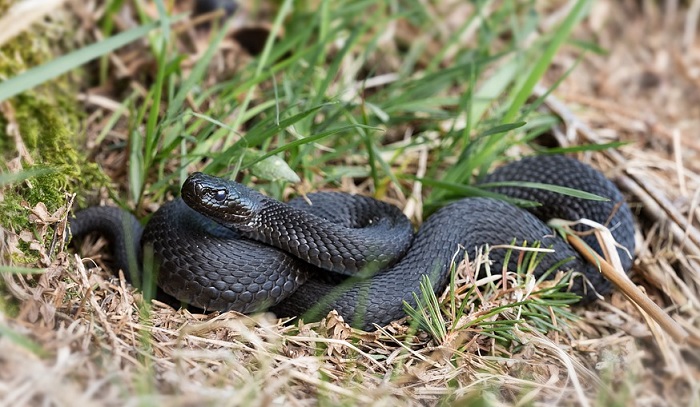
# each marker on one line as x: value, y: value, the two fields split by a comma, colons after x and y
x: 544, y: 309
x: 47, y: 118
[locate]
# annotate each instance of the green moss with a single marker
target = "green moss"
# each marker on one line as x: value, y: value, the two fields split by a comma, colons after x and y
x: 48, y: 118
x: 47, y: 129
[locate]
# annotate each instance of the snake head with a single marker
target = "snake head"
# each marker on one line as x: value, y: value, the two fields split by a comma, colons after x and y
x: 224, y: 201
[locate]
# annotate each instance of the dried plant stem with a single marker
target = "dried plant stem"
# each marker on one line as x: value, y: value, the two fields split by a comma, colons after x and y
x: 630, y: 290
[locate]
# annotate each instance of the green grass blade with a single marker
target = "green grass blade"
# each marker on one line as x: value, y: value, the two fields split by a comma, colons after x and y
x: 255, y: 137
x: 20, y: 270
x: 22, y: 340
x: 196, y: 75
x: 284, y: 10
x: 547, y: 187
x: 306, y: 140
x: 42, y: 73
x: 562, y: 33
x: 585, y: 147
x: 452, y: 188
x: 8, y: 179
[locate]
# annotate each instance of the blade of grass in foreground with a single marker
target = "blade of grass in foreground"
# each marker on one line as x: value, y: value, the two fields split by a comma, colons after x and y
x: 584, y: 147
x: 7, y: 179
x: 467, y: 191
x: 254, y: 137
x: 22, y: 340
x: 284, y: 10
x: 306, y: 140
x: 20, y: 270
x: 576, y: 14
x: 42, y: 73
x: 477, y: 154
x: 548, y: 187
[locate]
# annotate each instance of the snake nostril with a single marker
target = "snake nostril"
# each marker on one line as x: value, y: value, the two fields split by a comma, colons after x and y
x: 197, y: 188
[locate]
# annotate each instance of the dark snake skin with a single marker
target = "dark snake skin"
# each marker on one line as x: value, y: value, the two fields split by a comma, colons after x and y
x: 351, y: 253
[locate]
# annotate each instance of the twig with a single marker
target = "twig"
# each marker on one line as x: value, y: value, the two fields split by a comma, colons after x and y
x: 630, y: 290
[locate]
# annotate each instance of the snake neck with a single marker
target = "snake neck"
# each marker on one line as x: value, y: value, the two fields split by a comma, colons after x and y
x: 347, y: 249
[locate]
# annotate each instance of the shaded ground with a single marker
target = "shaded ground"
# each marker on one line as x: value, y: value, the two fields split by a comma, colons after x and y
x: 645, y: 90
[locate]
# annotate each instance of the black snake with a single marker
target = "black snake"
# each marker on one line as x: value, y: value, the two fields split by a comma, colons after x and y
x: 224, y: 246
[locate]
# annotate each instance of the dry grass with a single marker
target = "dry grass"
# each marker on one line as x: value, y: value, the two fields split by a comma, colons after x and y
x: 93, y: 343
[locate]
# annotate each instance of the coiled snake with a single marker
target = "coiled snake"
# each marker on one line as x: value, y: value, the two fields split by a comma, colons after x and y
x: 224, y: 246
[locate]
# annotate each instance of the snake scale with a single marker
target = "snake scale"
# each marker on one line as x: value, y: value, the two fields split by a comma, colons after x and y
x: 224, y: 246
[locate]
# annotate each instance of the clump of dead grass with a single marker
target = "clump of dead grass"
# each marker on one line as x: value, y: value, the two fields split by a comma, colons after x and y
x: 98, y: 337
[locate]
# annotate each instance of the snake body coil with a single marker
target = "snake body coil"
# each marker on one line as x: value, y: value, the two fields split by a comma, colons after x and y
x: 223, y: 246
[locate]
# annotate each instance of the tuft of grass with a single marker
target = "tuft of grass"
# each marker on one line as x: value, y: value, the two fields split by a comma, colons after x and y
x: 428, y: 312
x: 498, y: 310
x: 301, y: 101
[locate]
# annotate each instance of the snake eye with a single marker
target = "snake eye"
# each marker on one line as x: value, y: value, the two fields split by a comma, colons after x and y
x: 220, y: 195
